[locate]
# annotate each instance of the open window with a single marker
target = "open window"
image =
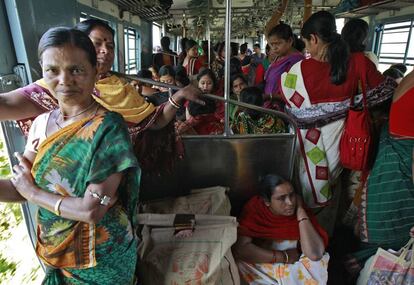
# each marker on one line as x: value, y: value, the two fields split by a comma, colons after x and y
x: 395, y: 44
x: 132, y: 62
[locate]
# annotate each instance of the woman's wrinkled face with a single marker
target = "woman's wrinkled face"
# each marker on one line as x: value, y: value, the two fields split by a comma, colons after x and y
x: 168, y: 79
x: 280, y: 46
x: 193, y: 52
x: 283, y: 200
x: 238, y: 86
x: 68, y: 73
x: 104, y: 44
x: 205, y: 84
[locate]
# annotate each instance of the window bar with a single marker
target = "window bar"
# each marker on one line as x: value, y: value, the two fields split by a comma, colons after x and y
x: 408, y: 42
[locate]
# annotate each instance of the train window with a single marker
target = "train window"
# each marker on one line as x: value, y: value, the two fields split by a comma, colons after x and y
x: 340, y: 23
x: 156, y: 37
x: 85, y: 16
x: 131, y: 51
x: 5, y: 169
x: 396, y: 44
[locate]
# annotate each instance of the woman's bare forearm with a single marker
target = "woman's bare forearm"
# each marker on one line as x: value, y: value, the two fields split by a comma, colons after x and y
x: 245, y: 250
x: 187, y: 93
x: 15, y: 106
x: 8, y: 193
x: 310, y: 240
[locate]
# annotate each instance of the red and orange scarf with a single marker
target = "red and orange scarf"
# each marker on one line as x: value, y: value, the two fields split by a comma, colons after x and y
x: 257, y: 221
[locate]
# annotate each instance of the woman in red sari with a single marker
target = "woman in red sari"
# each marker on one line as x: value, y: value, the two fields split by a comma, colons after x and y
x: 279, y: 240
x: 203, y: 119
x: 317, y: 94
x: 191, y: 62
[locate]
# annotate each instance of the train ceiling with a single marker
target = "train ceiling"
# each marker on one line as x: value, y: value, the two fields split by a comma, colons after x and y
x: 249, y: 16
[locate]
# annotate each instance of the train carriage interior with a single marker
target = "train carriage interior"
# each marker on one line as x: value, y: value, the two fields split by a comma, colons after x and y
x: 236, y: 161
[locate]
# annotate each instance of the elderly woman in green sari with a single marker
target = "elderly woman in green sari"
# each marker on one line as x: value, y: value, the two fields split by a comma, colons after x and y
x: 80, y: 169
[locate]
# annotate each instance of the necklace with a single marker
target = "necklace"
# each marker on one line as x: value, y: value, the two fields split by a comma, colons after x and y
x: 78, y: 114
x: 60, y: 114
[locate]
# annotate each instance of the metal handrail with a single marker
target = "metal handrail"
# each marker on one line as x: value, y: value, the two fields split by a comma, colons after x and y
x: 214, y: 97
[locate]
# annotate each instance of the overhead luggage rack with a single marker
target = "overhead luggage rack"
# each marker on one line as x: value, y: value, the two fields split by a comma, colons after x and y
x: 376, y: 8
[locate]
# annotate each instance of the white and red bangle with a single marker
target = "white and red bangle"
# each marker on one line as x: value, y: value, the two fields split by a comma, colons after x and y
x: 174, y: 103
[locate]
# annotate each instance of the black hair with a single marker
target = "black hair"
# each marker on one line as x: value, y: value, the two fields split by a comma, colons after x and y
x: 189, y: 44
x: 298, y: 44
x: 219, y: 47
x: 236, y: 76
x: 153, y: 67
x: 282, y: 31
x: 181, y: 75
x: 393, y: 73
x: 253, y: 96
x: 165, y: 43
x: 235, y: 66
x: 323, y: 25
x: 145, y: 73
x: 209, y: 73
x: 204, y: 45
x: 268, y: 185
x: 354, y: 34
x: 197, y: 109
x: 256, y: 46
x: 267, y: 48
x: 243, y: 48
x: 59, y: 36
x: 183, y: 41
x: 234, y: 48
x: 166, y: 70
x: 88, y: 25
x: 400, y: 66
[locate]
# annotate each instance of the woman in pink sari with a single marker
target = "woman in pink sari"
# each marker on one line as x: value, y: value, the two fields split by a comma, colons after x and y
x: 281, y: 41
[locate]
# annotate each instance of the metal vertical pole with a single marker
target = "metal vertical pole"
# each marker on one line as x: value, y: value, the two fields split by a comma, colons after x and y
x: 208, y: 38
x: 227, y: 68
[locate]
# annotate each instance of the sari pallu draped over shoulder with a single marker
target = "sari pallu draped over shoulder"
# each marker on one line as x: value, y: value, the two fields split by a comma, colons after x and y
x: 276, y: 69
x: 111, y: 92
x: 257, y: 221
x: 160, y: 147
x: 88, y: 152
x: 320, y: 124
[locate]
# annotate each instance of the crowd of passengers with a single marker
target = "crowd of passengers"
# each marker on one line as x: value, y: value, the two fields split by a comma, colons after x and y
x: 90, y: 133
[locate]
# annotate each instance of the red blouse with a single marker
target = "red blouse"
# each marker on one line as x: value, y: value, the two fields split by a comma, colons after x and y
x: 402, y: 116
x: 320, y: 88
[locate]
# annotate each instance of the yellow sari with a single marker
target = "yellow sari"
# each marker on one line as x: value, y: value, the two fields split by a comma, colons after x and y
x: 118, y: 96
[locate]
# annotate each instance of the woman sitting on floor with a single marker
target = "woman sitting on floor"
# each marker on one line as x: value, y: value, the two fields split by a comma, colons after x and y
x: 253, y: 122
x: 279, y: 240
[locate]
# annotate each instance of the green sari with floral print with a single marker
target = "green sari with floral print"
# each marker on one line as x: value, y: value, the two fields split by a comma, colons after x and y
x: 265, y: 124
x: 88, y: 152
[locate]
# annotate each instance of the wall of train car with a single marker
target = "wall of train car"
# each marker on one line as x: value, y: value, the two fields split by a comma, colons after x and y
x: 30, y: 19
